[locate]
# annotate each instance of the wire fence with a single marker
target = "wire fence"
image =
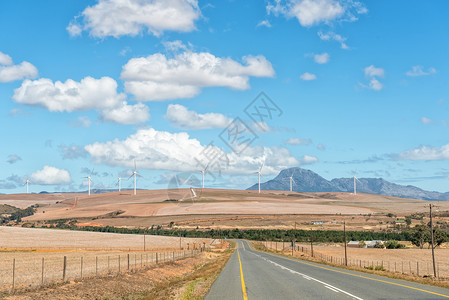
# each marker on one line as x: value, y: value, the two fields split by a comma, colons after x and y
x: 31, y: 270
x: 419, y: 268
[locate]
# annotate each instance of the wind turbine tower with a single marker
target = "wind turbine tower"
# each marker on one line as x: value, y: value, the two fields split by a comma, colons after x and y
x: 355, y: 182
x: 135, y: 174
x: 259, y: 173
x: 203, y: 173
x: 292, y: 181
x: 27, y: 182
x: 119, y: 179
x: 89, y: 180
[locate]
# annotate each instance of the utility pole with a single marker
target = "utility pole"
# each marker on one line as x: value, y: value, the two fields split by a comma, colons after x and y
x: 344, y: 233
x: 431, y: 235
x: 311, y: 243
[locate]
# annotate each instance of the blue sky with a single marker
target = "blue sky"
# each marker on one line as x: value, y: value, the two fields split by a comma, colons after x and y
x: 98, y: 84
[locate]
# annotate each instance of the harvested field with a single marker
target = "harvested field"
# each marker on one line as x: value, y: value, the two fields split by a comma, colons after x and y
x: 33, y: 269
x: 35, y: 238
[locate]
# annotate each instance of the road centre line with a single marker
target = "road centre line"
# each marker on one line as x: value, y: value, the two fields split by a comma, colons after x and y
x: 355, y: 275
x: 245, y: 296
x: 327, y: 285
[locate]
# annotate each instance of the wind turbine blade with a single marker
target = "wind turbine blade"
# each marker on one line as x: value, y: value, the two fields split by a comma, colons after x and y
x: 130, y: 177
x: 92, y: 171
x: 135, y: 166
x: 263, y: 163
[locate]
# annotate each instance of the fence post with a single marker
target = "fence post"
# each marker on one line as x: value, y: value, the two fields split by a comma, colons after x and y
x: 81, y: 267
x: 141, y: 262
x: 173, y: 256
x: 156, y: 258
x: 13, y: 273
x: 128, y: 261
x: 135, y: 261
x: 96, y: 265
x: 42, y: 280
x: 108, y: 264
x: 119, y: 263
x: 417, y: 268
x: 64, y: 268
x: 410, y: 266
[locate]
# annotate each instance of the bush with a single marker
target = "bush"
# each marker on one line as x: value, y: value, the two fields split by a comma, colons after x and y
x: 392, y: 244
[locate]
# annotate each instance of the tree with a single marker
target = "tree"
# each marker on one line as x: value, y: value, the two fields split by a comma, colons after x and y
x: 419, y: 235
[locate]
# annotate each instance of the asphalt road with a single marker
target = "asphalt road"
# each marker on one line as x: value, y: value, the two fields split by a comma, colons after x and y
x: 250, y: 274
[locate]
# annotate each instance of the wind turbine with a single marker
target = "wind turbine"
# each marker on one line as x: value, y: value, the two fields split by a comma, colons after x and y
x: 292, y: 181
x: 119, y: 179
x: 203, y: 172
x: 355, y: 183
x: 259, y: 173
x: 89, y: 179
x: 135, y: 173
x: 27, y: 182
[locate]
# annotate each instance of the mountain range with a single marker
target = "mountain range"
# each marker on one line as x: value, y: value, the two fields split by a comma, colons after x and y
x: 308, y: 181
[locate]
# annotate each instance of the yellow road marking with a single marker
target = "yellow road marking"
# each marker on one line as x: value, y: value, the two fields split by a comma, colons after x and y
x: 245, y: 297
x: 355, y: 275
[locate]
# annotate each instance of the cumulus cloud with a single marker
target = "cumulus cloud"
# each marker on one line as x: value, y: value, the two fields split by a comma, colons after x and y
x: 72, y: 151
x: 157, y: 77
x: 88, y: 94
x: 308, y: 159
x: 321, y: 58
x: 425, y: 153
x: 160, y: 150
x: 126, y: 114
x: 307, y: 76
x: 181, y: 117
x: 13, y: 158
x: 332, y: 36
x: 314, y: 12
x: 372, y: 73
x: 419, y: 71
x: 131, y: 17
x: 298, y: 141
x: 51, y: 175
x: 10, y: 72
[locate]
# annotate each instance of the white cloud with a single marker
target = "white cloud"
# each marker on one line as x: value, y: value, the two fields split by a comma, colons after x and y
x: 157, y: 77
x: 264, y: 23
x: 88, y: 94
x: 126, y: 114
x: 308, y: 159
x: 332, y: 36
x: 174, y: 45
x: 298, y: 142
x: 321, y: 58
x: 426, y: 120
x: 419, y: 71
x: 160, y: 150
x: 425, y: 153
x: 321, y: 147
x: 371, y: 72
x: 5, y: 59
x: 51, y: 175
x: 10, y: 72
x: 132, y: 17
x: 314, y: 12
x: 308, y: 76
x: 181, y: 117
x: 69, y: 96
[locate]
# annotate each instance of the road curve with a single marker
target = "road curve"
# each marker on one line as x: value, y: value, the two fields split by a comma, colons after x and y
x: 251, y: 274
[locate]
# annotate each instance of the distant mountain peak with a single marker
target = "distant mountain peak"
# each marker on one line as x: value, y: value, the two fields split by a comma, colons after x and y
x: 308, y: 181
